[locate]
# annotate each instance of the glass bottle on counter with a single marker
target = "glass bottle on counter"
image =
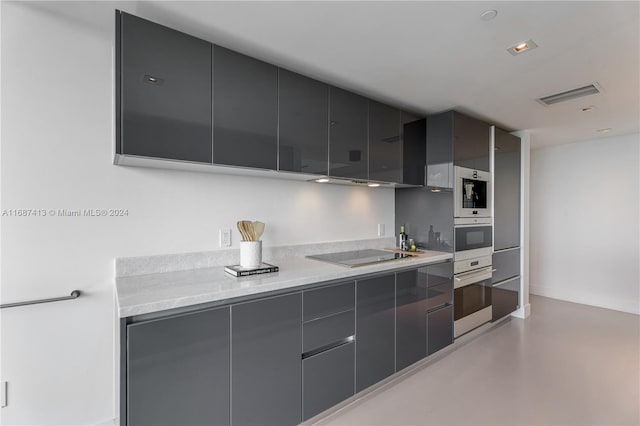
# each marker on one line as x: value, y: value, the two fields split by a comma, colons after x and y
x: 402, y: 239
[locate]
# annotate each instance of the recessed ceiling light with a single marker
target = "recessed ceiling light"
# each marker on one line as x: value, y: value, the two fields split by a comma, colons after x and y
x: 373, y: 185
x: 322, y: 180
x: 522, y: 47
x: 587, y: 109
x: 435, y: 190
x: 488, y: 15
x: 607, y: 130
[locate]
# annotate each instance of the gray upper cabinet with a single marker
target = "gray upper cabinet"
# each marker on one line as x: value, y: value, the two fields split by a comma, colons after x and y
x: 385, y: 143
x: 507, y: 190
x: 245, y: 110
x: 303, y: 124
x: 455, y: 139
x: 348, y: 141
x: 411, y: 325
x: 164, y: 101
x: 266, y: 364
x: 375, y: 330
x: 182, y: 98
x: 440, y: 150
x: 471, y: 140
x: 178, y: 370
x: 414, y: 149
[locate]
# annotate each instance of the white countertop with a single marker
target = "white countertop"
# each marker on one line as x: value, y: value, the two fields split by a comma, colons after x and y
x: 144, y: 294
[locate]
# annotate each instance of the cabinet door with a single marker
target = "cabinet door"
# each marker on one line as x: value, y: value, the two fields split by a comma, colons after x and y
x: 164, y: 93
x: 328, y: 379
x: 245, y: 110
x: 506, y: 187
x: 506, y: 264
x: 178, y: 370
x: 414, y: 149
x: 505, y: 298
x: 348, y: 151
x: 266, y: 375
x: 303, y: 124
x: 411, y: 328
x: 375, y: 330
x: 470, y: 142
x: 440, y: 328
x: 440, y: 306
x: 385, y: 143
x: 440, y: 150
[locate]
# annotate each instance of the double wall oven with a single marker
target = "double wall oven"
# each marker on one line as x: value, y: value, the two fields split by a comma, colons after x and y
x: 473, y: 238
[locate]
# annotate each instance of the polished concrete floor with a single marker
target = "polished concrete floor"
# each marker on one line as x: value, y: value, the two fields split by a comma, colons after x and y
x: 567, y: 364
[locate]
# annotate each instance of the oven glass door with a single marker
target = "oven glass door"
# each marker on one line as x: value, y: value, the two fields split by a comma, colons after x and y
x: 473, y: 237
x: 471, y: 298
x: 474, y: 194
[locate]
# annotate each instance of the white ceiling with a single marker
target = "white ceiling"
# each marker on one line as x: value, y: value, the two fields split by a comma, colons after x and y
x: 432, y: 56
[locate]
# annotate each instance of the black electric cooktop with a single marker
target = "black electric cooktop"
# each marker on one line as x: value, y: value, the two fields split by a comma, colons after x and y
x: 358, y: 257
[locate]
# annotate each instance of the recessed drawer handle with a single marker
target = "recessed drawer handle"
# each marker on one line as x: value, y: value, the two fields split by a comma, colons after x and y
x: 328, y: 347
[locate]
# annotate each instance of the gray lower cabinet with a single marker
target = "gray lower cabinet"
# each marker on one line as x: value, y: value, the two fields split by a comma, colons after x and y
x: 281, y: 360
x: 164, y: 98
x: 411, y: 329
x: 439, y: 306
x: 505, y: 298
x: 440, y: 328
x: 375, y: 330
x: 178, y: 370
x: 506, y: 264
x: 266, y: 364
x: 328, y: 378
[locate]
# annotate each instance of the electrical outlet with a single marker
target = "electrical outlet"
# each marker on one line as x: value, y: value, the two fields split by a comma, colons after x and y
x: 381, y: 230
x: 225, y: 238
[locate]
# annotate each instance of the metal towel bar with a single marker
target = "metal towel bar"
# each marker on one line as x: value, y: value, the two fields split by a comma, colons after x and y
x: 74, y: 295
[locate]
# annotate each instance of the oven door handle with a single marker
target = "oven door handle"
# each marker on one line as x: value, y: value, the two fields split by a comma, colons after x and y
x: 472, y: 277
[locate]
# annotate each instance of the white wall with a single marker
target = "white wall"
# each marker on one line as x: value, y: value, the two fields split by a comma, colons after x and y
x: 585, y: 222
x: 57, y: 149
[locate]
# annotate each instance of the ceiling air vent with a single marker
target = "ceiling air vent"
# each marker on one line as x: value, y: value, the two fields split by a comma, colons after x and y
x: 590, y: 89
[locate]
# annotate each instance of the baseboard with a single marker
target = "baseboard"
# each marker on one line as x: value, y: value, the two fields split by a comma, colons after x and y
x: 629, y: 306
x: 522, y: 313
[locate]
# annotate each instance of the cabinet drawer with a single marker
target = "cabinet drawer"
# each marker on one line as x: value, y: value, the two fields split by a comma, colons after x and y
x: 506, y: 264
x: 441, y: 273
x: 505, y: 298
x: 328, y: 330
x: 328, y: 378
x: 328, y: 301
x: 439, y: 295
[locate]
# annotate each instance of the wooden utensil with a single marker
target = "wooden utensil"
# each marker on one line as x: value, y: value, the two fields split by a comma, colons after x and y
x: 258, y: 227
x: 241, y: 229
